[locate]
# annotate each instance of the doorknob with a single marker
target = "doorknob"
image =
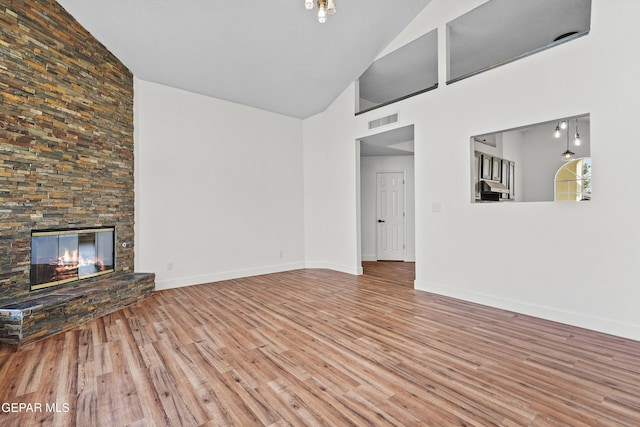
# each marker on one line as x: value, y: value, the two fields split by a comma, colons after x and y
x: 381, y: 220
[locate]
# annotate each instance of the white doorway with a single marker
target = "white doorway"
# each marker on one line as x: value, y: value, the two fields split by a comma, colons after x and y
x: 390, y: 211
x: 381, y: 154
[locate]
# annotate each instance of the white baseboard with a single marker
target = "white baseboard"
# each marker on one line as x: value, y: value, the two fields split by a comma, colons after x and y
x: 375, y: 258
x: 608, y: 326
x: 336, y: 267
x: 238, y: 274
x: 225, y: 275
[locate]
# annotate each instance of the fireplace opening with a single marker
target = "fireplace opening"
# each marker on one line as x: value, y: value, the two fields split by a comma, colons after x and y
x: 62, y: 256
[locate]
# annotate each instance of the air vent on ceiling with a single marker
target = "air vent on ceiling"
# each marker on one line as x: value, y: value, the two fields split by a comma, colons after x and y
x: 383, y: 121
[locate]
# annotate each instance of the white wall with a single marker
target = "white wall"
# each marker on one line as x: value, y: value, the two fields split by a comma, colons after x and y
x: 369, y: 166
x: 330, y: 188
x: 219, y: 188
x: 586, y: 276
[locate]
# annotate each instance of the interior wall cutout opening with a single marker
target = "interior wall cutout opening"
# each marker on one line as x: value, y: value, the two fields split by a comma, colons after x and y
x: 502, y: 31
x: 405, y: 72
x: 541, y: 162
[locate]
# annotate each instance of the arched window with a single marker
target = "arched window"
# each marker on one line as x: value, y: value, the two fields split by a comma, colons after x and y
x: 573, y: 181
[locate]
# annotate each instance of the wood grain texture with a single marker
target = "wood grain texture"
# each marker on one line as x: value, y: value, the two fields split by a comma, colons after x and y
x: 321, y: 348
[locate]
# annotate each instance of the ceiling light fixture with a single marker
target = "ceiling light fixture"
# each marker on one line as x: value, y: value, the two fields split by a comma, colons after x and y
x: 567, y: 155
x: 325, y: 8
x: 565, y: 125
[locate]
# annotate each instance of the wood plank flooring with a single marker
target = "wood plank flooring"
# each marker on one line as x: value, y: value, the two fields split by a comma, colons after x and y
x: 320, y: 348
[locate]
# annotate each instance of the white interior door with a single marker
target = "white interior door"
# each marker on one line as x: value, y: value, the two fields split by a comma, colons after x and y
x: 390, y: 211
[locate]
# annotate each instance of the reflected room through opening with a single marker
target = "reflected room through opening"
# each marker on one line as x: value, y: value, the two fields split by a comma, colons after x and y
x: 549, y: 161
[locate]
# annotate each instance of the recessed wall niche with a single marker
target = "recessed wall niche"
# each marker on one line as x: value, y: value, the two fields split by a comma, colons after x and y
x: 502, y: 31
x: 407, y: 71
x: 549, y: 161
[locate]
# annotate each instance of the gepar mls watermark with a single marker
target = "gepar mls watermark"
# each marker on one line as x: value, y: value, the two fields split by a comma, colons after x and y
x: 19, y: 407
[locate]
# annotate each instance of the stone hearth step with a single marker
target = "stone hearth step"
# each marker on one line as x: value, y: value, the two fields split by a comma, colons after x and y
x: 47, y: 314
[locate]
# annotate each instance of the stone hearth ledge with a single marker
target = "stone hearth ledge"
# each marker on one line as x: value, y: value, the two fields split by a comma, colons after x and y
x: 56, y: 311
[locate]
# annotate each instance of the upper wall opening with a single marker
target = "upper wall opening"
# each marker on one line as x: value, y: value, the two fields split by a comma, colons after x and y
x: 493, y: 34
x: 502, y: 31
x: 407, y: 71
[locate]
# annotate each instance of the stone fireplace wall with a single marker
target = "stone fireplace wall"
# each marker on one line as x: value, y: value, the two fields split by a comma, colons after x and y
x: 66, y: 136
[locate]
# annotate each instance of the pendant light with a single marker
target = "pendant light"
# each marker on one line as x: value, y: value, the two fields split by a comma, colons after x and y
x: 577, y: 141
x: 567, y: 155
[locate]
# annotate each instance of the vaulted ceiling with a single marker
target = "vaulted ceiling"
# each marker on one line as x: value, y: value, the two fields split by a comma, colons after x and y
x: 272, y: 55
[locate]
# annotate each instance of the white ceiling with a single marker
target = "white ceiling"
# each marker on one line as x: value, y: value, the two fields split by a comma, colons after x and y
x: 271, y: 55
x: 395, y: 142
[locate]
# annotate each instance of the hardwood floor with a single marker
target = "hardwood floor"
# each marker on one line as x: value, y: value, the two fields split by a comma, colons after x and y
x: 315, y: 347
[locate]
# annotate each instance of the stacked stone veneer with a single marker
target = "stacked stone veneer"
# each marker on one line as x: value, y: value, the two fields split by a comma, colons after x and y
x: 66, y: 137
x: 59, y: 310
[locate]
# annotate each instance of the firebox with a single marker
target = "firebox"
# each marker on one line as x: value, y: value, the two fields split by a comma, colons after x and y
x: 62, y: 256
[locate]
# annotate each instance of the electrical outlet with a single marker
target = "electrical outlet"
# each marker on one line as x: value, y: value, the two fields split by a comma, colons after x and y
x: 169, y: 265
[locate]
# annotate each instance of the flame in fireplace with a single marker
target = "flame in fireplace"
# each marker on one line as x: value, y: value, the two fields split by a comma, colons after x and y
x: 69, y: 263
x: 66, y: 258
